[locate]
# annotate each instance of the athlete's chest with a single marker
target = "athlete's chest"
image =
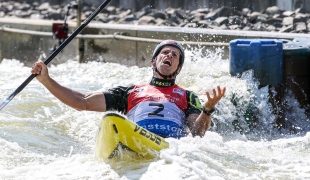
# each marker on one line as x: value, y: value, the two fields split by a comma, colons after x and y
x: 147, y: 93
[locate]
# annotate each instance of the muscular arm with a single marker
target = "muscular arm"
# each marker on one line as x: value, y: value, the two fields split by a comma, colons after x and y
x: 75, y: 99
x: 72, y: 98
x: 200, y: 123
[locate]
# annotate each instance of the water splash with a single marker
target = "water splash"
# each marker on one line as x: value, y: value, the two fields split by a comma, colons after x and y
x: 43, y: 138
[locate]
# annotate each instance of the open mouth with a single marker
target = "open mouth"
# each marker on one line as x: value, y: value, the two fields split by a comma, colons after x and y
x: 167, y: 63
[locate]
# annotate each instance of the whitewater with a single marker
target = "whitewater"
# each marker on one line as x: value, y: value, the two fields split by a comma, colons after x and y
x: 41, y: 138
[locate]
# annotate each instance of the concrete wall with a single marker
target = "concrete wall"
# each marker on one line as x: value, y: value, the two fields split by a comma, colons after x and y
x: 27, y: 48
x: 293, y: 4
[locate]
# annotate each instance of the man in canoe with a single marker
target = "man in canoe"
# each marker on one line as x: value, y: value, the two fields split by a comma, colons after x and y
x: 161, y: 106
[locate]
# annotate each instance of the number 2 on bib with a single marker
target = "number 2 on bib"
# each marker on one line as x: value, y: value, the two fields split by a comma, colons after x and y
x: 157, y: 111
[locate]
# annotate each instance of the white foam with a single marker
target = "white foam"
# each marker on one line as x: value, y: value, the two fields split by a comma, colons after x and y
x: 41, y: 138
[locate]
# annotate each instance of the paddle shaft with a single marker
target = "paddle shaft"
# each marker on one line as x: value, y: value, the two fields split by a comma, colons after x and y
x: 60, y: 48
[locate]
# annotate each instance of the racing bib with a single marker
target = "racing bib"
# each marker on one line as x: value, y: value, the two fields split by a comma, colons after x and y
x: 159, y: 109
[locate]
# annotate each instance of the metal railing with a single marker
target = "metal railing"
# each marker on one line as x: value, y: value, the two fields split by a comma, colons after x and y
x: 108, y: 36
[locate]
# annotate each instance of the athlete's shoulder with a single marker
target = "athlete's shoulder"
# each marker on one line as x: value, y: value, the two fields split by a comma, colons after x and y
x: 121, y: 90
x: 193, y: 99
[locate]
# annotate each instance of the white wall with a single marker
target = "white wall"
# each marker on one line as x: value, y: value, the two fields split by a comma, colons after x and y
x: 291, y: 5
x: 285, y: 4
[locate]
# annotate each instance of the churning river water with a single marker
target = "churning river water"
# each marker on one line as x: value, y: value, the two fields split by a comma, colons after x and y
x: 41, y: 138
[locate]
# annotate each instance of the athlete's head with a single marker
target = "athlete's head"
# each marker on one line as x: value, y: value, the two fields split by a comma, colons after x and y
x: 168, y: 56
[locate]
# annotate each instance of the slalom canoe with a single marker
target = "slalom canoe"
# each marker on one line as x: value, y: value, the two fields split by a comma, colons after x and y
x: 116, y: 134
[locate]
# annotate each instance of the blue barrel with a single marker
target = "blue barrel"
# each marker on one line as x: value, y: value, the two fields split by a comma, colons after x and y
x: 263, y: 56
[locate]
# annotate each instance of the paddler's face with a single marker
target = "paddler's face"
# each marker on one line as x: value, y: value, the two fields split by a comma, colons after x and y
x: 168, y: 60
